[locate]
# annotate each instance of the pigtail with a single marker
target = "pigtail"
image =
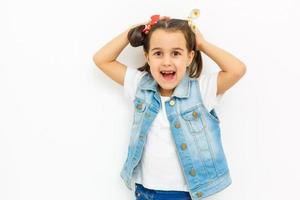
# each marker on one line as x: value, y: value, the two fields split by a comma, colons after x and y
x: 135, y: 36
x: 195, y: 68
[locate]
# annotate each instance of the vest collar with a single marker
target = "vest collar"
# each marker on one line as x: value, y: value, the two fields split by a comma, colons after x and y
x: 182, y: 90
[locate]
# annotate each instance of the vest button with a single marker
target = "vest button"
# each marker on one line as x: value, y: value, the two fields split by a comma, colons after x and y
x: 199, y: 194
x: 172, y: 102
x: 139, y: 106
x: 195, y: 114
x: 183, y: 146
x: 193, y: 172
x: 177, y: 125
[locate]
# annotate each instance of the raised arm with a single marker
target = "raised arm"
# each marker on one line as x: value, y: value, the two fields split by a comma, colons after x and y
x: 105, y: 58
x: 232, y: 69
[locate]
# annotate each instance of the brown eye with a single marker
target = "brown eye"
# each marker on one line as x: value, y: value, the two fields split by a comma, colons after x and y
x: 176, y: 52
x: 156, y: 53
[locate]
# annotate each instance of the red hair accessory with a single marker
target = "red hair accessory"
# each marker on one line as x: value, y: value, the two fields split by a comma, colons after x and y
x: 154, y: 19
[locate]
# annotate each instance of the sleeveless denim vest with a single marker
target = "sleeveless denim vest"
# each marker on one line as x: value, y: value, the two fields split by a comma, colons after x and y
x: 195, y: 130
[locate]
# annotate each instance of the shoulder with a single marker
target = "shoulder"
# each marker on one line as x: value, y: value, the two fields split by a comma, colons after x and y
x: 208, y: 78
x: 131, y: 80
x: 208, y: 84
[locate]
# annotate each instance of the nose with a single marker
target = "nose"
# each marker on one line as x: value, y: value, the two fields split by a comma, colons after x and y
x: 167, y: 60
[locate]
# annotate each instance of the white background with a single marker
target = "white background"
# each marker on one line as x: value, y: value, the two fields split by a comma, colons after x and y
x: 64, y: 125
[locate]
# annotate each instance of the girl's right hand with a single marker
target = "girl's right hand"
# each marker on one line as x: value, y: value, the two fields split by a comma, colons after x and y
x: 148, y: 21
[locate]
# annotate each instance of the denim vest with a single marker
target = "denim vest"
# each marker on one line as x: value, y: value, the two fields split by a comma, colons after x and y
x: 195, y: 130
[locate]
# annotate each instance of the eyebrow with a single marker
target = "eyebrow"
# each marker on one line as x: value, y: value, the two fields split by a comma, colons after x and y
x: 176, y: 48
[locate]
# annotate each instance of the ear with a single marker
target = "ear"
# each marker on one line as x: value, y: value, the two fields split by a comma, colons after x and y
x: 191, y: 57
x: 146, y: 56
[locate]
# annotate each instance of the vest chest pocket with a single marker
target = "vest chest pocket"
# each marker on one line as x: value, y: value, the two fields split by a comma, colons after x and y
x: 139, y: 108
x: 193, y: 119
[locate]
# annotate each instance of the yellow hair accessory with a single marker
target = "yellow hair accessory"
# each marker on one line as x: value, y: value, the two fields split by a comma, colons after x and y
x: 193, y: 15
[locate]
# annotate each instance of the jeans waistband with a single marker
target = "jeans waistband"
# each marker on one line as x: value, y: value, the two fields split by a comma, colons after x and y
x: 162, y: 193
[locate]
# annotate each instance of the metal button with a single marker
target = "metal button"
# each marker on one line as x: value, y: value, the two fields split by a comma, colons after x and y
x: 177, y: 125
x: 183, y: 146
x: 195, y: 114
x: 139, y: 106
x: 139, y: 194
x: 172, y: 102
x: 193, y: 172
x: 199, y: 194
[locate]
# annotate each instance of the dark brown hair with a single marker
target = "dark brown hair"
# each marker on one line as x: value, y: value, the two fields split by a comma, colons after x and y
x: 137, y: 38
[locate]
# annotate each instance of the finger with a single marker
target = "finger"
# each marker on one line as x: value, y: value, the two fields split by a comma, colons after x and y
x: 165, y: 17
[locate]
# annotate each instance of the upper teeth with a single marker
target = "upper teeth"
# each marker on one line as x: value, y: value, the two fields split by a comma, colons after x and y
x: 167, y: 72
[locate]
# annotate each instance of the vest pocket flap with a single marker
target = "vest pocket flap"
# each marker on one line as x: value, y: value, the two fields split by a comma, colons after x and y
x: 139, y: 105
x: 191, y: 113
x: 192, y: 118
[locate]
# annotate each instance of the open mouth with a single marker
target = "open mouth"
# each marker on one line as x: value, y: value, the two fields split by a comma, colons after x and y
x: 168, y: 74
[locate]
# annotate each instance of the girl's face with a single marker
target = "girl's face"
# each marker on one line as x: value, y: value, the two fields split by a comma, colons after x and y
x: 168, y: 58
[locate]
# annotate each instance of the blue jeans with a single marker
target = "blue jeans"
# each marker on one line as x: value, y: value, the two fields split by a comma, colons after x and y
x: 142, y: 193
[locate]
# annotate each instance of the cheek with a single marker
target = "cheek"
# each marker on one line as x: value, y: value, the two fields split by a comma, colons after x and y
x: 154, y: 71
x: 154, y: 63
x: 154, y: 67
x: 180, y: 63
x: 181, y: 72
x: 183, y: 69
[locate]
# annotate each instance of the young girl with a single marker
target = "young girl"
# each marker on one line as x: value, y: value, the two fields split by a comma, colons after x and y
x: 175, y: 149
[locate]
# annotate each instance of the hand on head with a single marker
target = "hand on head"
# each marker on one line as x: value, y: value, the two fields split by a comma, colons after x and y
x: 165, y: 18
x: 148, y: 21
x: 199, y: 38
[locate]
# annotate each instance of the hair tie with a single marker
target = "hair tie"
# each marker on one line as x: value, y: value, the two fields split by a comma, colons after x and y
x: 154, y: 19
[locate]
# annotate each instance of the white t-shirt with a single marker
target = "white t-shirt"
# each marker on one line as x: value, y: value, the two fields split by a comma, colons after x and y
x: 159, y: 167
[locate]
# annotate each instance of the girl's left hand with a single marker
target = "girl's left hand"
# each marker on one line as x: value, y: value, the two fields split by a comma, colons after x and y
x: 160, y: 18
x: 199, y: 38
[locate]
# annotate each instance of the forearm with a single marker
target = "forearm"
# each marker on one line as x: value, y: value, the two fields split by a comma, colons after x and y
x: 226, y: 61
x: 110, y: 51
